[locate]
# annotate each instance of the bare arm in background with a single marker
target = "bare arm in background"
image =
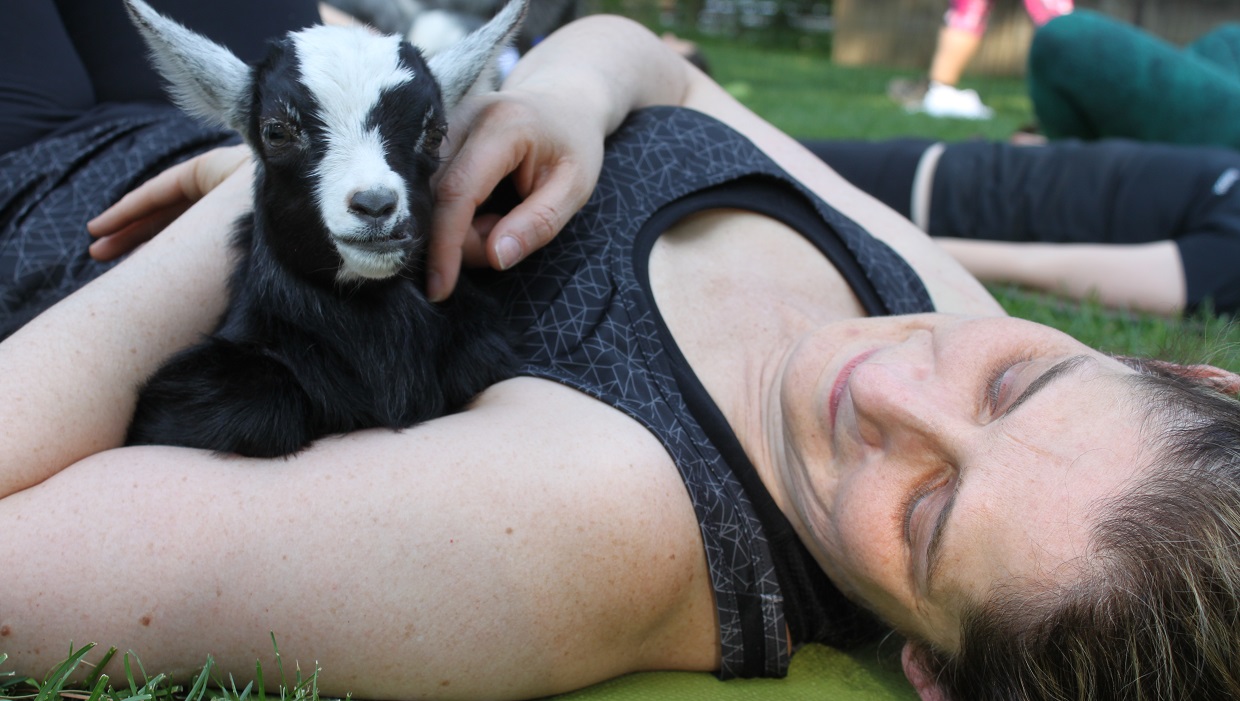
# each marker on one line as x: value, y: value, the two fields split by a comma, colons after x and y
x: 1146, y: 277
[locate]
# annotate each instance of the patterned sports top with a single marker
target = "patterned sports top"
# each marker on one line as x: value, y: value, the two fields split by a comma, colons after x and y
x: 583, y: 309
x: 586, y: 318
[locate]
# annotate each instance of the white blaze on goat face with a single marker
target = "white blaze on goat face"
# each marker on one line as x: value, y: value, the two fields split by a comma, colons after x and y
x: 346, y: 70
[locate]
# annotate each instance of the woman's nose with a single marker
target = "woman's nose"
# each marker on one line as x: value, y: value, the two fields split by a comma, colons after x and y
x: 900, y: 397
x: 891, y: 393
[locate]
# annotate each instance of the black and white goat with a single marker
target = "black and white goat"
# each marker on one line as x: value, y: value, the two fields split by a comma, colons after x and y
x: 327, y: 329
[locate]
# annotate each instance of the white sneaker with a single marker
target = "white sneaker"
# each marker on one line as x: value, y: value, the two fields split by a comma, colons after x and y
x: 947, y: 101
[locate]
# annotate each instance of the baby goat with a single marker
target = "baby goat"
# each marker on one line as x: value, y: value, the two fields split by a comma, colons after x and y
x: 327, y: 328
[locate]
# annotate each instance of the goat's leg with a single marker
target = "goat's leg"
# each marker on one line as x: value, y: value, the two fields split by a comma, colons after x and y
x: 225, y: 397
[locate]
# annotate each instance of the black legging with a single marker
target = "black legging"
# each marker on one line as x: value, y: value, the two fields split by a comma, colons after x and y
x: 884, y: 169
x: 1112, y: 191
x: 59, y: 59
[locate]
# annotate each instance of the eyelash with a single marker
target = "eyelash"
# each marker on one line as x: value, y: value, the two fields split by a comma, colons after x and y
x: 911, y: 505
x: 994, y: 379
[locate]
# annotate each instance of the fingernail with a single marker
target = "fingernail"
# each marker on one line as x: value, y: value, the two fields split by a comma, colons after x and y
x: 508, y: 250
x: 434, y: 287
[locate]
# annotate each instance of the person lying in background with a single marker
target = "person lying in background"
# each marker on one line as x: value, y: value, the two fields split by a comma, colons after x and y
x: 1145, y: 226
x: 1093, y: 76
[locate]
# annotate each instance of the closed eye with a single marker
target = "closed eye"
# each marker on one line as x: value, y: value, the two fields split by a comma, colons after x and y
x: 1000, y: 378
x: 915, y: 500
x: 1044, y: 380
x: 1056, y: 371
x: 916, y: 513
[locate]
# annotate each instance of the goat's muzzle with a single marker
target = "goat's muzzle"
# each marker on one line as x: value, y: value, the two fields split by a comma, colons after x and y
x: 374, y: 206
x: 376, y: 256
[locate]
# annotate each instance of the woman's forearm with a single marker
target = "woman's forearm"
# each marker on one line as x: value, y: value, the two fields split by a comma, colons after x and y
x: 1148, y: 277
x: 613, y: 63
x: 71, y: 374
x: 545, y: 129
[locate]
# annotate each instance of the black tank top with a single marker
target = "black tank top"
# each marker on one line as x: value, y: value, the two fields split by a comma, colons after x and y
x: 586, y: 318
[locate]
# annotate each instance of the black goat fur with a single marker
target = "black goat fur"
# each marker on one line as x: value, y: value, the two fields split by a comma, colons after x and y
x: 301, y: 354
x: 292, y: 362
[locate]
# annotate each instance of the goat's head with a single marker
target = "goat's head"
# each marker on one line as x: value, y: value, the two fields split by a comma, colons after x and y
x: 345, y: 125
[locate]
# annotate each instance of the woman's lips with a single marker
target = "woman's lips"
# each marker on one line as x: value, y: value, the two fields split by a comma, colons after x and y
x: 841, y: 381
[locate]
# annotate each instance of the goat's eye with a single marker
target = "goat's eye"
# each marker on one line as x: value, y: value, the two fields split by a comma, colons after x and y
x: 278, y: 134
x: 432, y: 139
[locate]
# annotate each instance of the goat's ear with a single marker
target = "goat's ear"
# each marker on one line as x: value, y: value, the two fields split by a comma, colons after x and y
x: 206, y: 79
x: 472, y: 61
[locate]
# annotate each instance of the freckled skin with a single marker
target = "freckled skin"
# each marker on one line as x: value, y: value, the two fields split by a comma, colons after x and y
x: 913, y: 416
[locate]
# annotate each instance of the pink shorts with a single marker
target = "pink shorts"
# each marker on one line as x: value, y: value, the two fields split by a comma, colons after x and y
x: 970, y: 15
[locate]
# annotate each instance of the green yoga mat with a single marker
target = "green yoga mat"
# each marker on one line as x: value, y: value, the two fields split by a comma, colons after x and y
x: 817, y: 673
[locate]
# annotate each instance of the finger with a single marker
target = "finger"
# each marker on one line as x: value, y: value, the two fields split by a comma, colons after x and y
x: 443, y: 266
x: 474, y: 248
x: 449, y: 228
x: 537, y: 220
x: 467, y: 182
x: 471, y: 252
x: 133, y: 235
x: 166, y: 190
x: 115, y: 245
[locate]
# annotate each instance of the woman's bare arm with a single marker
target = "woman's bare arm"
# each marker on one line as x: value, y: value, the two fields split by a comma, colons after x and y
x: 552, y: 140
x: 478, y: 556
x: 546, y: 128
x: 71, y: 374
x: 1147, y: 277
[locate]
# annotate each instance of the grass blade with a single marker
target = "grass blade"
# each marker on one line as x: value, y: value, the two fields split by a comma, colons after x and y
x: 52, y: 687
x: 99, y: 666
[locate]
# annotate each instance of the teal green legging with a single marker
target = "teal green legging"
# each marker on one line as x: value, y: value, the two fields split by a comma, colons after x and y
x: 1092, y: 77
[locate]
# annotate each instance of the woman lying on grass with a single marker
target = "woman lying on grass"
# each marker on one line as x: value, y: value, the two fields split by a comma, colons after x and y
x: 757, y: 409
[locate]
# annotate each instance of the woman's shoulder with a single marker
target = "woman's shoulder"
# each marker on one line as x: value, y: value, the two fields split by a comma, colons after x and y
x: 950, y: 286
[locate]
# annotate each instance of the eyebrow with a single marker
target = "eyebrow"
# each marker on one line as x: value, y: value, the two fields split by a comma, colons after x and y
x: 934, y: 549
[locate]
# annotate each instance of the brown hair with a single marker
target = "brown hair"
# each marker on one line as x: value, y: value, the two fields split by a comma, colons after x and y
x: 1155, y: 613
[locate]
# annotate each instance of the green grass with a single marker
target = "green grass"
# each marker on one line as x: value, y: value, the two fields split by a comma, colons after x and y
x: 807, y: 96
x: 137, y: 685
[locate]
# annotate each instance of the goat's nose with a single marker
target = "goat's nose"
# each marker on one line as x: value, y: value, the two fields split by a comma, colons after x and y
x: 377, y: 203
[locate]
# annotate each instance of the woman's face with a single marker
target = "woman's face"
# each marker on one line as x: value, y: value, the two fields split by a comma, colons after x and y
x: 930, y: 458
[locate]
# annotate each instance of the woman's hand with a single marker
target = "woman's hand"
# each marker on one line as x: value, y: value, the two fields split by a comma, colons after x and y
x: 150, y: 207
x: 550, y: 144
x: 545, y: 128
